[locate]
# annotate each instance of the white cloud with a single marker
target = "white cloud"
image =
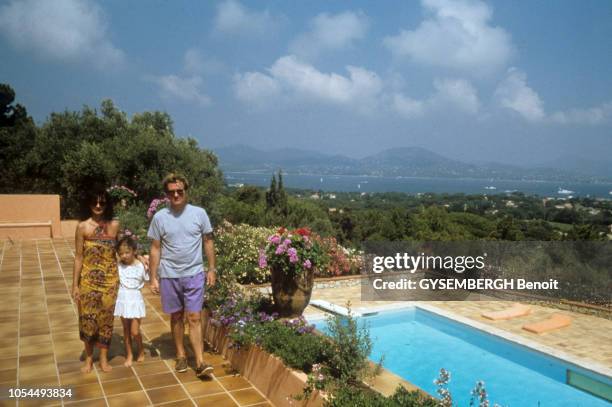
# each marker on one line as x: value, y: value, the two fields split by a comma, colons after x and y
x: 408, y: 107
x: 234, y: 18
x: 592, y: 116
x: 450, y: 95
x: 458, y: 93
x: 256, y: 88
x: 330, y: 32
x: 457, y: 35
x: 65, y: 30
x: 195, y: 63
x: 513, y: 93
x: 186, y: 89
x: 291, y: 78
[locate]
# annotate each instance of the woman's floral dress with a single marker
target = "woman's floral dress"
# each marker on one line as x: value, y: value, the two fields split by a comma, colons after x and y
x: 98, y: 287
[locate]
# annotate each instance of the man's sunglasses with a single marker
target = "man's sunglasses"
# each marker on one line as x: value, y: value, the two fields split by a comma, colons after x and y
x: 172, y: 192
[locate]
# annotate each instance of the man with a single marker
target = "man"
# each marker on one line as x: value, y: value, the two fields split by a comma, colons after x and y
x: 176, y: 256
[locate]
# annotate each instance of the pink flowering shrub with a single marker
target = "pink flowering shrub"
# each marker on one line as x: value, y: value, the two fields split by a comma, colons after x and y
x: 339, y: 261
x: 291, y: 251
x: 156, y: 205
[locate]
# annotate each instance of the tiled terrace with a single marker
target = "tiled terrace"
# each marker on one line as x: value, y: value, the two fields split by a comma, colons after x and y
x: 40, y: 346
x: 588, y: 338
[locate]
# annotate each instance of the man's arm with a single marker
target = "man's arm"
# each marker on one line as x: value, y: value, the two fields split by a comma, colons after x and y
x: 209, y: 250
x: 154, y: 258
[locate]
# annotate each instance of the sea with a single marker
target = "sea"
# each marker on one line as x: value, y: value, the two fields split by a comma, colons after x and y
x: 416, y: 185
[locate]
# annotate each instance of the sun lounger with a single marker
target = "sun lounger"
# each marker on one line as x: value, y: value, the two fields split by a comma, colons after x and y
x: 515, y: 311
x: 556, y: 321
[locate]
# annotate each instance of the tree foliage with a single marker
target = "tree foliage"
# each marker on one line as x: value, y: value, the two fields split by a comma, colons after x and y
x: 72, y: 149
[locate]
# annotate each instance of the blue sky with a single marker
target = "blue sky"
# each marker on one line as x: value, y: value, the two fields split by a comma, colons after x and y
x: 515, y: 82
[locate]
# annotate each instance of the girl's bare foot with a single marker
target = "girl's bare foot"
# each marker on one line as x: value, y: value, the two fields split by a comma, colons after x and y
x: 128, y: 361
x: 87, y: 366
x: 105, y: 367
x: 141, y: 357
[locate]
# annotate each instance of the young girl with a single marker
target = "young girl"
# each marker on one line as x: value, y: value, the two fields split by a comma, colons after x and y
x: 130, y: 304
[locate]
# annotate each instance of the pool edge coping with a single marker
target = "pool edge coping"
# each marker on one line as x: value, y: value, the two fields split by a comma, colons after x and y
x: 593, y: 367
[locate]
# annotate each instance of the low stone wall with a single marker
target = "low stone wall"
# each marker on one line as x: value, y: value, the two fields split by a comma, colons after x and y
x: 69, y: 228
x: 267, y: 372
x: 30, y: 216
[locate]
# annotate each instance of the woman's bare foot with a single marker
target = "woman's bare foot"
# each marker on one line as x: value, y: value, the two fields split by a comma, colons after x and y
x: 87, y: 366
x: 141, y: 357
x: 128, y: 361
x: 105, y: 366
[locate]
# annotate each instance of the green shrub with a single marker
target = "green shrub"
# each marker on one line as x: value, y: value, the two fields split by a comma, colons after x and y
x: 300, y: 351
x: 237, y: 248
x: 357, y: 397
x: 134, y: 219
x: 351, y: 346
x: 363, y: 397
x: 218, y: 294
x: 404, y: 398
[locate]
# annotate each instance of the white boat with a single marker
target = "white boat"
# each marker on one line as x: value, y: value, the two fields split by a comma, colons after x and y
x: 490, y: 187
x: 564, y: 191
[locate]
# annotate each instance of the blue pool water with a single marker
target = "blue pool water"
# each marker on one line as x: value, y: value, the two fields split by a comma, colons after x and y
x: 417, y: 343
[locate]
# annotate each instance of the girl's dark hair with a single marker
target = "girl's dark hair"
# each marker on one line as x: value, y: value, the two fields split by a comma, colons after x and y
x: 90, y: 196
x: 128, y: 241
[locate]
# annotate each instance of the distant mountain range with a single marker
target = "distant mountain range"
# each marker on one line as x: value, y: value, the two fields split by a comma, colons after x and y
x: 404, y: 162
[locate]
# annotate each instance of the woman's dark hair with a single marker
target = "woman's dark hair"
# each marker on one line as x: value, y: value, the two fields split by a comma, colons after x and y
x: 90, y: 196
x: 128, y: 241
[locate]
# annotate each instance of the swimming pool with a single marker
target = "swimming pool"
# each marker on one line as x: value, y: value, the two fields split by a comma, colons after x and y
x: 416, y: 343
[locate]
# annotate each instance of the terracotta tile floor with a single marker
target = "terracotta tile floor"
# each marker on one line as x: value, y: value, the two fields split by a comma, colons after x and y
x: 40, y: 346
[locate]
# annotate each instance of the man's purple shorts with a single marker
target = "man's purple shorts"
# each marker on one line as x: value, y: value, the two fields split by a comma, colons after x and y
x: 183, y: 293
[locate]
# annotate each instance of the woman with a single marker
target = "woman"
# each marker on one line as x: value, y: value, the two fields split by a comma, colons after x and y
x: 96, y: 279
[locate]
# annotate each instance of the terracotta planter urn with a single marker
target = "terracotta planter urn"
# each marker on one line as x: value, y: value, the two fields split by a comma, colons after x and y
x: 291, y: 292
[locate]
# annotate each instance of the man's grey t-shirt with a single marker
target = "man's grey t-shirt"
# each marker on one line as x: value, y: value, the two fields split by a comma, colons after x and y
x: 181, y: 240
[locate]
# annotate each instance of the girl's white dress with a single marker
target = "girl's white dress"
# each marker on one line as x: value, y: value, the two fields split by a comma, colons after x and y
x: 130, y: 303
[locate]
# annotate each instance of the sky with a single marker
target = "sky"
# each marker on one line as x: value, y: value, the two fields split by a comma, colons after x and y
x: 514, y: 82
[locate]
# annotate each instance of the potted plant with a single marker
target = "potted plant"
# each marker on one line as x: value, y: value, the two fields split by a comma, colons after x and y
x: 292, y: 258
x: 122, y: 194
